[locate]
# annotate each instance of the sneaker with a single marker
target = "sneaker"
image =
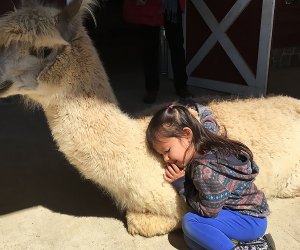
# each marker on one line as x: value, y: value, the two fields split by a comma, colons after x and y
x: 184, y: 94
x: 269, y: 239
x: 264, y: 243
x: 150, y: 97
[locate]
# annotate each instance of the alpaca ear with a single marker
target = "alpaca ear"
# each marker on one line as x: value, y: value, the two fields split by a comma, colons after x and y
x: 69, y: 11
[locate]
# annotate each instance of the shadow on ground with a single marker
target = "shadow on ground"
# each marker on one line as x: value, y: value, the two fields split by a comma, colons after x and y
x: 34, y: 172
x: 176, y: 240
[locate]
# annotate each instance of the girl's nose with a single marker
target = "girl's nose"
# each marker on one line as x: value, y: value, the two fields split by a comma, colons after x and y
x: 166, y: 157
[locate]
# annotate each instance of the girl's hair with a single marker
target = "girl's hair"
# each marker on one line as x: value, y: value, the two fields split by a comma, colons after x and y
x: 170, y: 121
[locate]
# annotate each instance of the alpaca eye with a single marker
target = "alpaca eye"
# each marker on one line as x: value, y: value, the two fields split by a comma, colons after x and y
x: 33, y: 52
x: 40, y: 52
x: 46, y: 51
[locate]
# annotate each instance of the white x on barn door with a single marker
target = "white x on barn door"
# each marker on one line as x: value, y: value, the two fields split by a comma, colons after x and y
x: 243, y: 68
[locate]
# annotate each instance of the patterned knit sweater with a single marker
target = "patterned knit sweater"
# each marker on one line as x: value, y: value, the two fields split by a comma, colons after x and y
x: 213, y: 183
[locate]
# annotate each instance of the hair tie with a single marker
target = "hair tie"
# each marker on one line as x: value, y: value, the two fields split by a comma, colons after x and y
x: 171, y: 106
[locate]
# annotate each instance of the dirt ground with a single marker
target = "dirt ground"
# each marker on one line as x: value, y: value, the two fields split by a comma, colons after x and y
x: 39, y: 227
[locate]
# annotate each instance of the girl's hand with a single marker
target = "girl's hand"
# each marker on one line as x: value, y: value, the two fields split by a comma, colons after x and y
x: 172, y: 173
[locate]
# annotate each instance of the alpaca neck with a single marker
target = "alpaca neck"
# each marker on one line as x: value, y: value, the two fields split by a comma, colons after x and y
x: 89, y: 116
x: 89, y: 133
x: 84, y: 117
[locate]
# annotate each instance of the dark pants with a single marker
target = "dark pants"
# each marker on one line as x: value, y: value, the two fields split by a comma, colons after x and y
x: 174, y: 35
x: 151, y: 37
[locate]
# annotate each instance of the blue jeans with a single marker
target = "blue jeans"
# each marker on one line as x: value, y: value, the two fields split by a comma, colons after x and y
x: 217, y: 233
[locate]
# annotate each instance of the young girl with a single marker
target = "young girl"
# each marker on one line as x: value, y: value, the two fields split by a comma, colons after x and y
x: 215, y: 175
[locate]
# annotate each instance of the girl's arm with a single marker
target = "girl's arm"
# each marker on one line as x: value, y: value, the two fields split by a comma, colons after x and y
x: 207, y: 118
x: 179, y: 186
x: 204, y: 115
x: 176, y: 177
x: 212, y: 193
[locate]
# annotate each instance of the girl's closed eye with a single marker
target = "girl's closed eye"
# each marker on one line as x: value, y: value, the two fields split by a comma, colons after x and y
x: 165, y: 152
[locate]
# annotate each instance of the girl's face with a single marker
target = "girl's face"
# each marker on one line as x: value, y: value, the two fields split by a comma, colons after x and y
x: 178, y: 151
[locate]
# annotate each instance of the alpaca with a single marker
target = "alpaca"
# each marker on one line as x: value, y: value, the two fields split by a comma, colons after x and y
x: 47, y: 57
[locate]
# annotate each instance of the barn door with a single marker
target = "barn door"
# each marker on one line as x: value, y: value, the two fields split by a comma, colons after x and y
x: 228, y: 44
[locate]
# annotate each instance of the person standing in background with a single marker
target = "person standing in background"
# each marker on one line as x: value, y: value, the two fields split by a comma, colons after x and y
x: 151, y: 15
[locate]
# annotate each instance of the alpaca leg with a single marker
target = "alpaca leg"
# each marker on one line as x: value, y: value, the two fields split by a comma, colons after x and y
x: 148, y: 225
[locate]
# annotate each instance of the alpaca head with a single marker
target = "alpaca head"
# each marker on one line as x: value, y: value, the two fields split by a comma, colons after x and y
x: 33, y: 40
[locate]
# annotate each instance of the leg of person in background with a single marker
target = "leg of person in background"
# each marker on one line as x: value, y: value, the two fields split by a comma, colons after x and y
x: 174, y: 35
x: 151, y: 39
